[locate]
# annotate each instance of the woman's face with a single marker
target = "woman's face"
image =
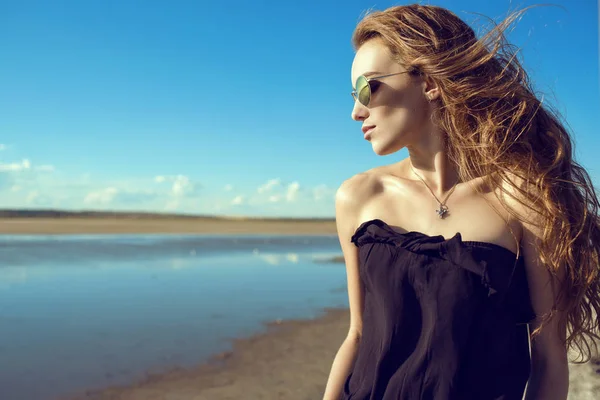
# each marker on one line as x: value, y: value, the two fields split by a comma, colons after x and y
x: 398, y: 110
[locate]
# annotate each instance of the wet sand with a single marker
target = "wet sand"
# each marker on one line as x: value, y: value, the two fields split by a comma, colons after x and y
x: 83, y: 225
x: 290, y: 361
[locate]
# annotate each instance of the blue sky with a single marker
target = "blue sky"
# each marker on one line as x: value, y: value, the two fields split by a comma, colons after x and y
x: 226, y: 108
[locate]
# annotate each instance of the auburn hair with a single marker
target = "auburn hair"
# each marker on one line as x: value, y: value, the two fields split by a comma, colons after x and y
x: 498, y: 130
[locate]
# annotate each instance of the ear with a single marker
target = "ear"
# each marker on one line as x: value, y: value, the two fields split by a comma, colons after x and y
x: 431, y: 91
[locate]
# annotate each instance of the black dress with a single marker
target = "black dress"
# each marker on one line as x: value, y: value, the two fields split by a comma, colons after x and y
x: 443, y: 319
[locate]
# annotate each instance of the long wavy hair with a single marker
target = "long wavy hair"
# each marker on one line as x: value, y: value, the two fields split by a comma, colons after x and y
x: 498, y: 130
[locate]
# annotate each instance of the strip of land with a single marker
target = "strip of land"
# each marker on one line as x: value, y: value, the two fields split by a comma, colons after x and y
x: 18, y: 222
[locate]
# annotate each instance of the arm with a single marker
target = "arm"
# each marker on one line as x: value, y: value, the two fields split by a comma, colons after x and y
x: 549, y: 379
x: 347, y: 200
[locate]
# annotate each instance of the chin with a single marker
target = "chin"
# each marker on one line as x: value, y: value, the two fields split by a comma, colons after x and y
x: 380, y: 153
x: 385, y: 149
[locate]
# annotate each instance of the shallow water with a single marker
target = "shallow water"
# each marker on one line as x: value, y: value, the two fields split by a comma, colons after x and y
x: 80, y: 312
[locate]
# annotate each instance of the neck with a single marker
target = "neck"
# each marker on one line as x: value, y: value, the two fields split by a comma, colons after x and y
x: 433, y: 165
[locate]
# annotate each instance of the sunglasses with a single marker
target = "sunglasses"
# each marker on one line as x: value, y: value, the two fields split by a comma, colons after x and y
x: 363, y: 90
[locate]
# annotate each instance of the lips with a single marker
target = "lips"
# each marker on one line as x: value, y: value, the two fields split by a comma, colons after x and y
x: 367, y: 128
x: 367, y: 131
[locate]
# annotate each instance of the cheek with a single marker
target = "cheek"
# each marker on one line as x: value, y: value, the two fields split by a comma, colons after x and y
x: 400, y: 119
x: 406, y: 107
x: 413, y: 115
x: 401, y: 114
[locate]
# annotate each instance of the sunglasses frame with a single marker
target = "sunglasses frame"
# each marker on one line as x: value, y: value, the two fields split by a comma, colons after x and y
x: 354, y: 93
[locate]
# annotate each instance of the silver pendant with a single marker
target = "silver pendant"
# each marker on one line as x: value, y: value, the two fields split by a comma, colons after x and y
x: 442, y: 211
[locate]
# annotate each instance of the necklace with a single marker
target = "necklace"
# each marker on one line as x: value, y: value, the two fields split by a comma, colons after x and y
x: 443, y: 208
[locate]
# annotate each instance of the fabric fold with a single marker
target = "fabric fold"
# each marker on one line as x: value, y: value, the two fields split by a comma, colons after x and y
x: 502, y: 276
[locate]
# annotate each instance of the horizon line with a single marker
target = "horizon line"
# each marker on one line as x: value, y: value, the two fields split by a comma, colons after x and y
x: 62, y: 213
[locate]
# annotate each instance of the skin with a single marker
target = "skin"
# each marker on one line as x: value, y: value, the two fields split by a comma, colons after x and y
x: 400, y: 109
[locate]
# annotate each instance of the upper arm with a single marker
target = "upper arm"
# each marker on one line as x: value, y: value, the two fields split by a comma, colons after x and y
x: 349, y: 198
x: 549, y: 345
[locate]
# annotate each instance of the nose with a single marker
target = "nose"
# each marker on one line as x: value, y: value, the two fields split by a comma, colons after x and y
x: 359, y: 112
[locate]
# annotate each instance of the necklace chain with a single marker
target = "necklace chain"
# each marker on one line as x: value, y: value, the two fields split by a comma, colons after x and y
x: 443, y: 208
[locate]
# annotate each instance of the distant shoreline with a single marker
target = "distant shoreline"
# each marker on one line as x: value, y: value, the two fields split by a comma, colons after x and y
x: 57, y: 213
x: 48, y: 222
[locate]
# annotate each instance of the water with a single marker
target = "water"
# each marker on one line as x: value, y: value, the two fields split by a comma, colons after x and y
x: 81, y: 312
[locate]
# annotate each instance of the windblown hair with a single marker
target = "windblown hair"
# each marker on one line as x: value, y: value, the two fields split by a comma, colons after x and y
x: 498, y: 130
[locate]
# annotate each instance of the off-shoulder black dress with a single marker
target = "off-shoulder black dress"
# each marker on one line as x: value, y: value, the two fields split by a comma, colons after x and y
x: 443, y: 319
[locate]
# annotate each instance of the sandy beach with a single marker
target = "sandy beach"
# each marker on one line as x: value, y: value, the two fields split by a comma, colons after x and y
x: 191, y: 225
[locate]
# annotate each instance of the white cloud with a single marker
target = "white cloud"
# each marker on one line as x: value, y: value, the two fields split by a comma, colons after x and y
x: 38, y: 199
x: 16, y: 167
x: 22, y: 174
x: 114, y: 195
x: 182, y: 186
x: 45, y: 168
x: 237, y: 200
x: 292, y: 191
x: 25, y: 165
x: 31, y: 197
x: 22, y: 182
x: 104, y: 196
x: 319, y: 192
x: 2, y: 147
x: 269, y: 185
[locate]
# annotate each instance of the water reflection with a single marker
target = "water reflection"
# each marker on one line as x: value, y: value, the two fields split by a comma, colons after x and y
x: 69, y: 249
x: 85, y: 312
x: 12, y: 275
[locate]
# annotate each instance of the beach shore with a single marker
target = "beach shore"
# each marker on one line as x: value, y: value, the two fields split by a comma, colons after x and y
x: 166, y: 225
x: 291, y: 360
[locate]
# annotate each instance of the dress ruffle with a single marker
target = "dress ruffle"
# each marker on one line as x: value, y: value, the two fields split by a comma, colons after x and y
x: 503, y: 274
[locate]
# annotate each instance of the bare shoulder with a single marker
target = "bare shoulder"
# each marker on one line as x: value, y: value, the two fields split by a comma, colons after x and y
x: 358, y: 189
x: 355, y: 194
x: 362, y: 186
x: 515, y: 196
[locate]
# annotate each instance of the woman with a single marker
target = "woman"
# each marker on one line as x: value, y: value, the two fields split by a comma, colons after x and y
x: 473, y: 264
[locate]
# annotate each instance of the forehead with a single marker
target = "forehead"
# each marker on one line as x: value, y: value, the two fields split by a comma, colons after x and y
x: 372, y: 56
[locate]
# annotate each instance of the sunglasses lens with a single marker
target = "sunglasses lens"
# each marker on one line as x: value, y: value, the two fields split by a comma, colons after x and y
x: 363, y: 90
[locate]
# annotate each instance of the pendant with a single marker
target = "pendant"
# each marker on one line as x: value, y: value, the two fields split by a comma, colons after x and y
x: 442, y: 211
